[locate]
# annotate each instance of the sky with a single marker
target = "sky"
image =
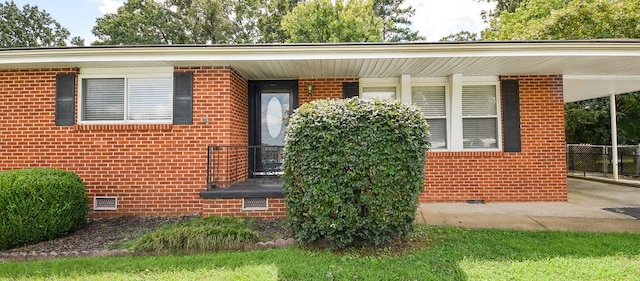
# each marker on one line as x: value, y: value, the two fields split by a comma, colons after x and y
x: 433, y: 19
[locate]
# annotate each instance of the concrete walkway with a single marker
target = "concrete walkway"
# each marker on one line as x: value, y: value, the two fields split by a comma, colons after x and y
x: 583, y: 212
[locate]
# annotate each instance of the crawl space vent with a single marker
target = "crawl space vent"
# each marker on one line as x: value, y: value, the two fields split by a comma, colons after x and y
x: 255, y: 204
x: 104, y: 203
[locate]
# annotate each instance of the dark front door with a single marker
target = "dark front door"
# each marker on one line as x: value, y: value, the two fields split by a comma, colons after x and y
x: 270, y: 103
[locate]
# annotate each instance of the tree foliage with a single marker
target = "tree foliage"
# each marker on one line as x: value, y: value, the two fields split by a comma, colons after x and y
x: 564, y: 19
x: 137, y: 22
x: 501, y: 6
x: 461, y: 36
x: 396, y: 23
x: 29, y: 27
x: 323, y: 21
x: 254, y: 21
x: 269, y: 21
x: 179, y: 22
x: 594, y: 115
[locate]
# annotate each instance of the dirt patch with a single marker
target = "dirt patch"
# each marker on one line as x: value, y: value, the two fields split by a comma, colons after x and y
x: 102, y: 234
x: 113, y: 233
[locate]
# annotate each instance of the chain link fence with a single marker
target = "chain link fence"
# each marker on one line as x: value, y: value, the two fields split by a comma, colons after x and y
x: 589, y: 159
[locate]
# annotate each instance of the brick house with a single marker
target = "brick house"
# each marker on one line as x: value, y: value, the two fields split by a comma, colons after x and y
x: 165, y: 130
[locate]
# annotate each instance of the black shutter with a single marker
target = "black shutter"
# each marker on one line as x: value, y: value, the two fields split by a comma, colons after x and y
x: 511, y: 115
x: 182, y: 98
x: 65, y: 99
x: 350, y: 90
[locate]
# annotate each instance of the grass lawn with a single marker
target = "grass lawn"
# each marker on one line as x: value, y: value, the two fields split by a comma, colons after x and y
x: 450, y: 254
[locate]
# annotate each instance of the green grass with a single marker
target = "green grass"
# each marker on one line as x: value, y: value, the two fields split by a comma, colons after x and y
x: 449, y: 254
x: 257, y: 272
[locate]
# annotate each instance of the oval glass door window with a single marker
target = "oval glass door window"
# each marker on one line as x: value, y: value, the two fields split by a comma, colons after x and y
x: 274, y: 117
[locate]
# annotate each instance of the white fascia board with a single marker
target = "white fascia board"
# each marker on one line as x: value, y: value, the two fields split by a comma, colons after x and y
x: 319, y: 52
x: 154, y: 71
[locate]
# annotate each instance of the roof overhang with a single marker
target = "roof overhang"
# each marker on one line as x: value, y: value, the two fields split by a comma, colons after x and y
x: 593, y: 68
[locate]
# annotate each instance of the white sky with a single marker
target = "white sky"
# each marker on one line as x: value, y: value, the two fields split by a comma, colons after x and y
x: 434, y: 19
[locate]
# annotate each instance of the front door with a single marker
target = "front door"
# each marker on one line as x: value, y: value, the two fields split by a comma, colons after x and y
x: 270, y: 103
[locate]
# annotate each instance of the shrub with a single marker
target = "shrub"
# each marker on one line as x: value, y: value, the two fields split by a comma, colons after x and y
x: 198, y: 235
x: 353, y: 170
x: 40, y: 204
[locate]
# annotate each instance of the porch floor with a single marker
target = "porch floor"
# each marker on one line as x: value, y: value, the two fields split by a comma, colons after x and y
x: 250, y: 188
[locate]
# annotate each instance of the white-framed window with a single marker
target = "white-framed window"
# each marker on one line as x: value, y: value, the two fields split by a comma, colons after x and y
x: 432, y: 101
x: 463, y: 112
x: 383, y: 88
x: 480, y: 120
x: 137, y: 95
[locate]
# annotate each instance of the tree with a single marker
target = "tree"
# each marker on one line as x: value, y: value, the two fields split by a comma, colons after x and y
x: 501, y: 6
x: 269, y: 21
x: 29, y: 27
x: 138, y: 22
x: 594, y: 114
x: 322, y: 21
x: 180, y: 22
x: 397, y: 25
x: 77, y: 41
x: 564, y: 19
x: 217, y: 21
x: 461, y: 36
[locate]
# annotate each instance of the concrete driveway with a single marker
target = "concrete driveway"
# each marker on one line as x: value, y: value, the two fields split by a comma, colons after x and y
x: 583, y: 212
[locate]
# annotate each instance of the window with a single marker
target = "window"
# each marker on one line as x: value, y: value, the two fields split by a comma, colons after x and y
x: 479, y: 116
x: 128, y: 99
x: 379, y: 92
x: 432, y: 102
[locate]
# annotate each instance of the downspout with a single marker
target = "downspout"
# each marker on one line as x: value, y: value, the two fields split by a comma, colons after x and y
x: 614, y: 137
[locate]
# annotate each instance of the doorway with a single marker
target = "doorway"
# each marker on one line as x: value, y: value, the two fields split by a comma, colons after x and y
x: 270, y: 104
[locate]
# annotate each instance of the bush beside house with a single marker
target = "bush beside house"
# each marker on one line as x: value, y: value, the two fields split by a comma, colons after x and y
x: 353, y: 170
x: 39, y: 204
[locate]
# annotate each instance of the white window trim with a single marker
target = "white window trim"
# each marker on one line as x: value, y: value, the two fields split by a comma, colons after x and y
x: 124, y: 73
x: 437, y: 82
x: 482, y: 81
x: 453, y: 89
x: 379, y: 82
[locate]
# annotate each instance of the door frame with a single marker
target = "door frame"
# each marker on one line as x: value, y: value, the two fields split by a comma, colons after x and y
x: 256, y: 87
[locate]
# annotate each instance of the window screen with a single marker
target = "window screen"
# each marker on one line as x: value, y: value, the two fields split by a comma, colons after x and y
x: 480, y: 116
x: 150, y: 98
x: 103, y: 99
x: 432, y: 102
x: 127, y: 99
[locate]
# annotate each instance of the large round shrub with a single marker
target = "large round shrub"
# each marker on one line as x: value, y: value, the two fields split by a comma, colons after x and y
x: 353, y: 170
x: 39, y: 204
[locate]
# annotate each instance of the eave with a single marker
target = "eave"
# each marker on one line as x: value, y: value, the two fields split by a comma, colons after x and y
x: 592, y: 68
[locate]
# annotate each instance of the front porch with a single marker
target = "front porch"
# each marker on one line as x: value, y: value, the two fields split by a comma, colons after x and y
x: 244, y: 172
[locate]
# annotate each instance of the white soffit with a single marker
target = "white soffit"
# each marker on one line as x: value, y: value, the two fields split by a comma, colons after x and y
x: 573, y: 59
x: 583, y: 87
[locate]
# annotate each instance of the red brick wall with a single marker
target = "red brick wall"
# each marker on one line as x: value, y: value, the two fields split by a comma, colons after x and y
x: 233, y: 208
x: 323, y: 88
x: 535, y: 174
x: 152, y: 169
x: 160, y: 169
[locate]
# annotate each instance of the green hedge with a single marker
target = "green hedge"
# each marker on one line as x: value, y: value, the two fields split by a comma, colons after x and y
x: 39, y: 204
x: 353, y: 170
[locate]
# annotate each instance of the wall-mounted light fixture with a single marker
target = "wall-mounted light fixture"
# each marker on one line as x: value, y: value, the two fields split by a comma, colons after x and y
x: 309, y: 89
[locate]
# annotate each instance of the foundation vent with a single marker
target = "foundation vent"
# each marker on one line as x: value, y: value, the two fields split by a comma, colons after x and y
x: 105, y: 203
x: 255, y: 204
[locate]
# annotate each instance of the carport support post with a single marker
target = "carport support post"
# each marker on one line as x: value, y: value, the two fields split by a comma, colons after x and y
x: 614, y: 137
